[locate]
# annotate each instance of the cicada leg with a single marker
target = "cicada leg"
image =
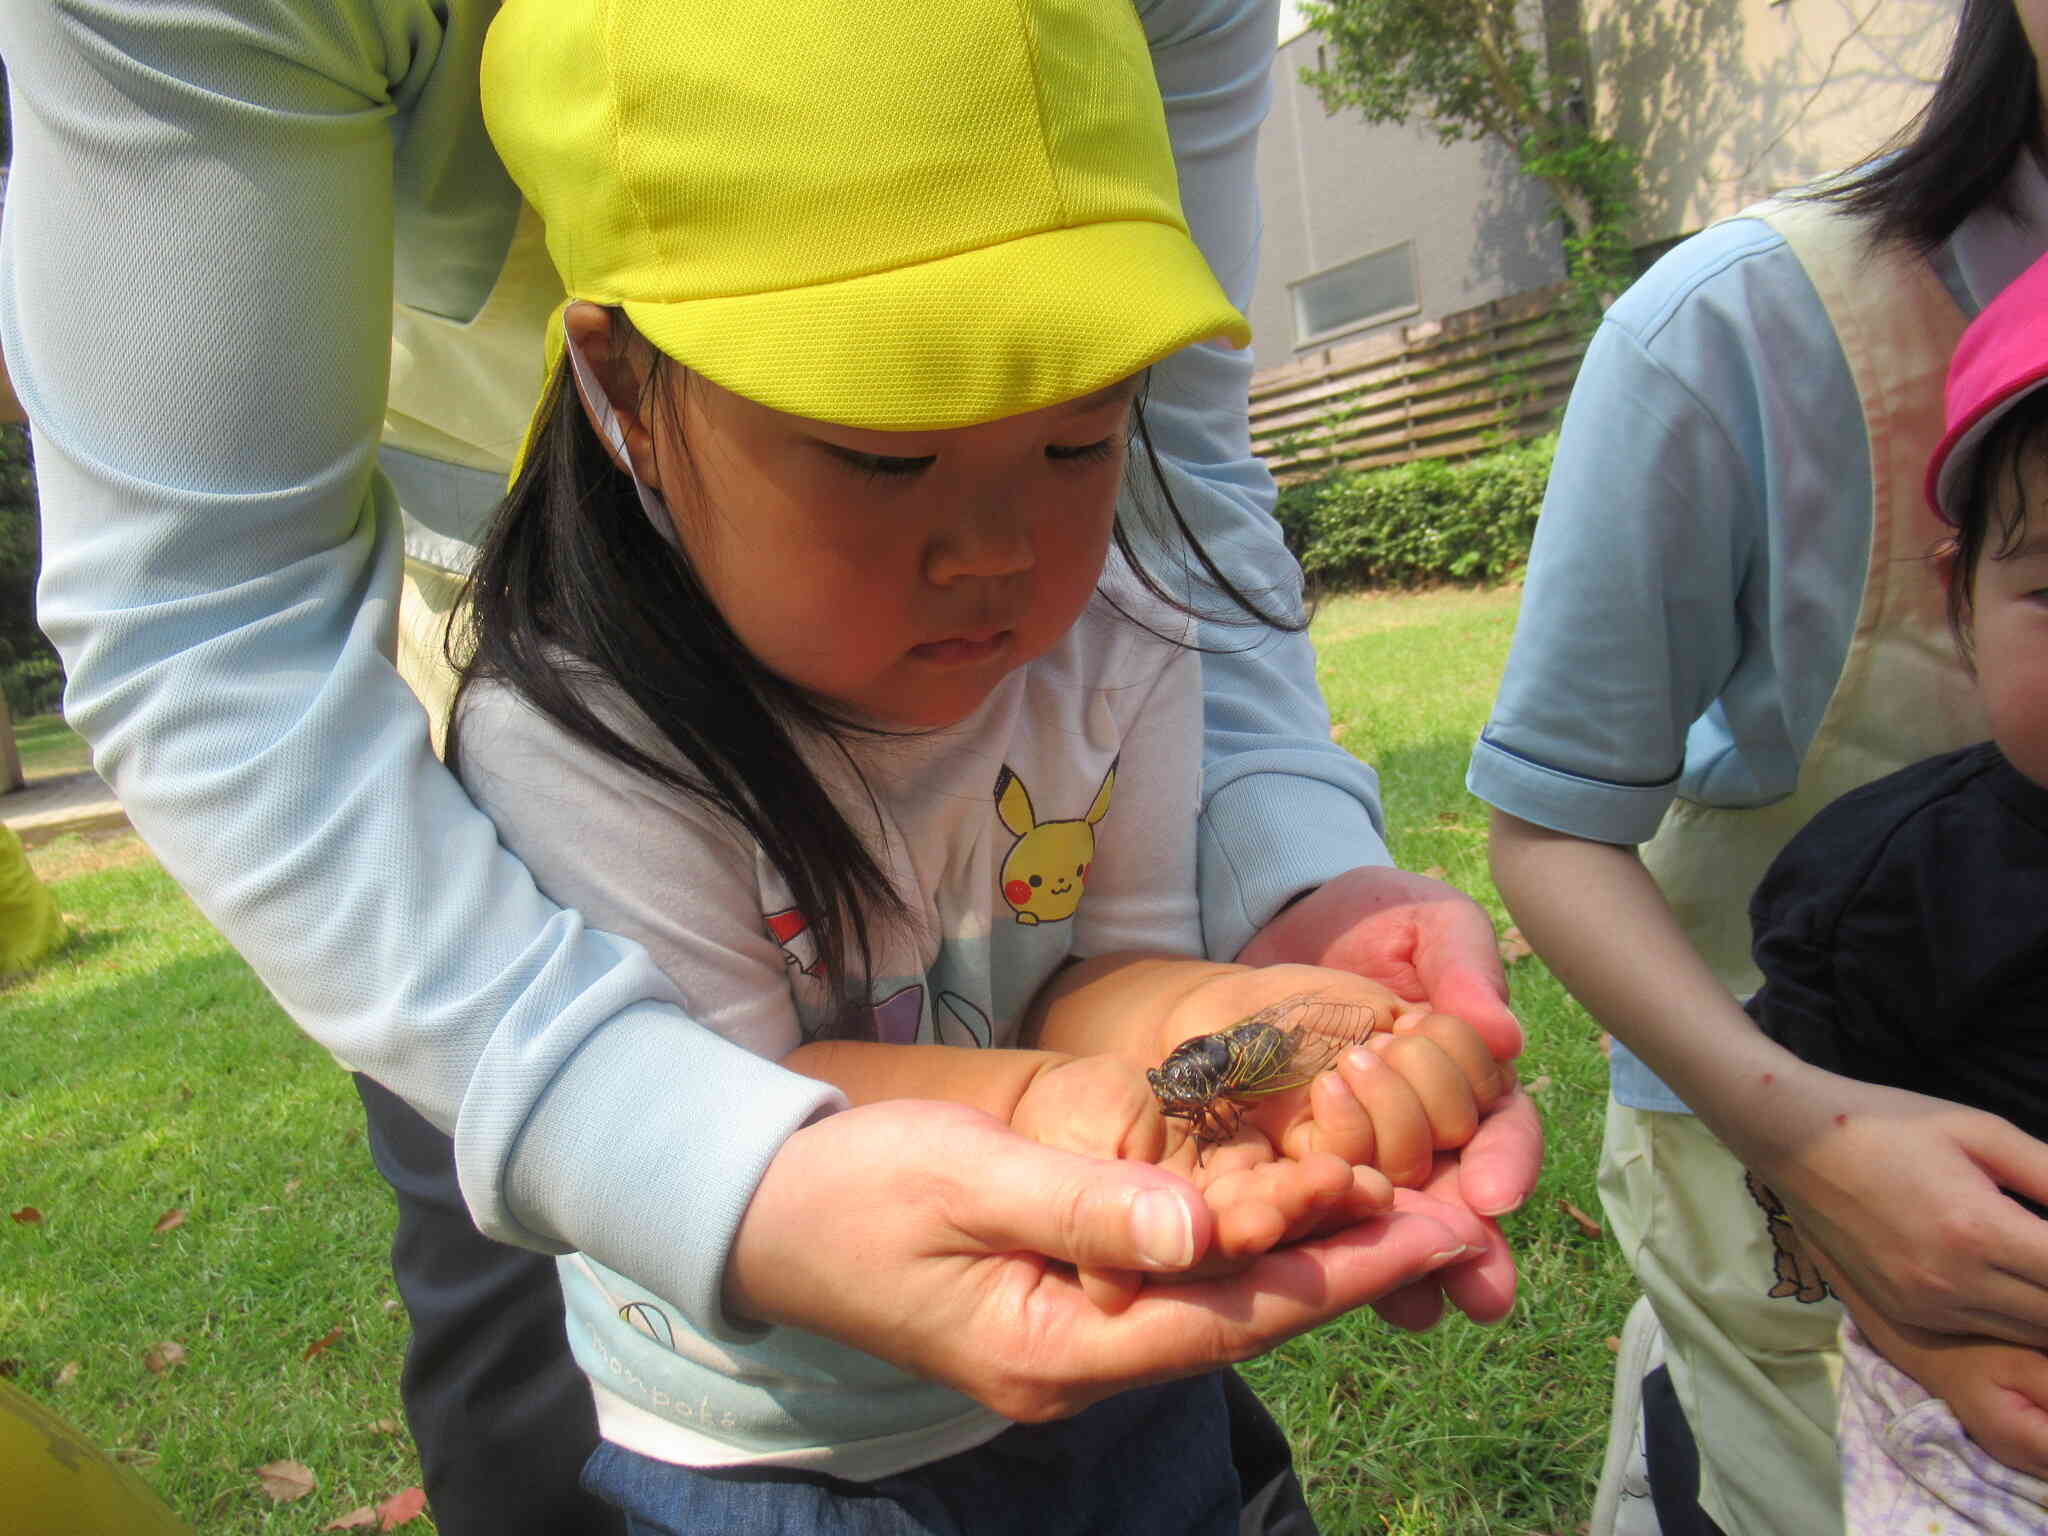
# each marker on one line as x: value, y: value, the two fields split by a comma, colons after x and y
x: 1216, y: 1123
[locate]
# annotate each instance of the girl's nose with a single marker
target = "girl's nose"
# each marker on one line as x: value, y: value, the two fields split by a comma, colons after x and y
x: 988, y: 538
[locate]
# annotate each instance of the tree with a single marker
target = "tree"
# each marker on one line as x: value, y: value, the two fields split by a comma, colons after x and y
x: 1493, y: 69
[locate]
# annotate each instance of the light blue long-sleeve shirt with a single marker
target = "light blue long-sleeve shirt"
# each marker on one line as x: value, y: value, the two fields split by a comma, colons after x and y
x: 214, y: 205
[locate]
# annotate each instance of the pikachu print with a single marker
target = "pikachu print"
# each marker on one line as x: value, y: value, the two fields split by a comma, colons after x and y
x: 1046, y: 871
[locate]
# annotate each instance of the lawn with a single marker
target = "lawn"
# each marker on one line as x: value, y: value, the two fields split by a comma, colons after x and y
x: 49, y: 748
x: 145, y: 1072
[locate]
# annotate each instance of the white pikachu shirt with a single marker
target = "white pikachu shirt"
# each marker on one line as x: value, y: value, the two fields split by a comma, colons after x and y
x: 1058, y: 820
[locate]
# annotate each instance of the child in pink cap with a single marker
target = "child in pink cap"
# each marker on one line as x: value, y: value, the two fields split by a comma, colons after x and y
x: 1903, y: 939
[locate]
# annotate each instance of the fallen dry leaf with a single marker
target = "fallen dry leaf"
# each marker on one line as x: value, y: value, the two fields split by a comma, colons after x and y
x: 1337, y: 731
x: 1437, y: 872
x: 1538, y: 1083
x: 1514, y: 947
x: 67, y: 1373
x: 390, y: 1306
x: 169, y: 1221
x: 134, y: 1456
x: 285, y: 1481
x: 28, y: 1215
x: 291, y: 1186
x: 387, y: 1426
x: 159, y: 1358
x: 1586, y: 1223
x: 406, y: 1504
x: 326, y: 1341
x: 355, y: 1520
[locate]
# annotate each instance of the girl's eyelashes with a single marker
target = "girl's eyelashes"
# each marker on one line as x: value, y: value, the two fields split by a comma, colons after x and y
x: 1084, y: 453
x: 879, y: 466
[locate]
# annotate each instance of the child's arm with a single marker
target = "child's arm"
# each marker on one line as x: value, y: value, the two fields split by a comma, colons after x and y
x: 992, y: 1081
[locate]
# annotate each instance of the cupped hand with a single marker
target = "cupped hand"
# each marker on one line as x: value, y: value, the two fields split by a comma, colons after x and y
x: 939, y: 1239
x: 1258, y: 1197
x: 1903, y: 1195
x: 1427, y: 942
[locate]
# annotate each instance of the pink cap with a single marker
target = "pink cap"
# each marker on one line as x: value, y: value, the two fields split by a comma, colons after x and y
x: 2002, y: 355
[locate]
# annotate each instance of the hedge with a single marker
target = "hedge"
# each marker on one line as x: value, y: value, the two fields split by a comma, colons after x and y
x: 1432, y: 520
x: 33, y: 685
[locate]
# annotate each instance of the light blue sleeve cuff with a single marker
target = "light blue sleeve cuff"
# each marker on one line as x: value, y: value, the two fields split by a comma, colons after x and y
x: 1635, y: 1086
x: 1268, y: 837
x: 656, y: 1133
x: 1594, y: 809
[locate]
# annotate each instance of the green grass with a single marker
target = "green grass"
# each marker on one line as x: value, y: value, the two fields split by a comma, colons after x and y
x: 145, y: 1069
x: 49, y: 748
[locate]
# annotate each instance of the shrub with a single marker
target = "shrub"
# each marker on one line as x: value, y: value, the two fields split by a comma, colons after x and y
x: 1432, y: 520
x: 33, y: 685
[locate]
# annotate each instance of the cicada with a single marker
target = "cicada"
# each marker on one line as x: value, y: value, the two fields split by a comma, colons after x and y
x: 1210, y: 1080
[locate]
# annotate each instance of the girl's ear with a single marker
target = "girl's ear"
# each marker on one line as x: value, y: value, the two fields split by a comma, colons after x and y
x: 612, y: 390
x: 1947, y: 553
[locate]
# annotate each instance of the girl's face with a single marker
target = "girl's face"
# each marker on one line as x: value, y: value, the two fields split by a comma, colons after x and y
x: 2009, y: 620
x: 898, y: 575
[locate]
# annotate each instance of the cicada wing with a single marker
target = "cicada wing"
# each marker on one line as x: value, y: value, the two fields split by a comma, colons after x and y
x: 1288, y: 1043
x: 1273, y: 1060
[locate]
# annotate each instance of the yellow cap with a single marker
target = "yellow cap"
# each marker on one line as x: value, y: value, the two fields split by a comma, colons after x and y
x: 895, y: 214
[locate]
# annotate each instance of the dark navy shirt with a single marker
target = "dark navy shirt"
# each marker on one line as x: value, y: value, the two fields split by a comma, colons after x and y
x: 1903, y: 936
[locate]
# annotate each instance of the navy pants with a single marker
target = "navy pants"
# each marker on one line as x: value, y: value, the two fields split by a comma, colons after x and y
x: 1157, y: 1461
x: 502, y: 1415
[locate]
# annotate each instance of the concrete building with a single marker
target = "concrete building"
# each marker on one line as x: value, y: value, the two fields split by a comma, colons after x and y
x: 1369, y: 227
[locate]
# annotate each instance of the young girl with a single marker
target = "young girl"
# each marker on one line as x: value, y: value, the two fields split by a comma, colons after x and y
x: 1903, y: 939
x: 803, y: 604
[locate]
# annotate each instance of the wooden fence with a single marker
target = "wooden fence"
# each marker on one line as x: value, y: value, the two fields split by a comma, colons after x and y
x: 1436, y: 389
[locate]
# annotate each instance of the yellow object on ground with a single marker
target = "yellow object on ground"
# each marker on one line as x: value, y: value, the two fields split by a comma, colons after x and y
x: 30, y: 925
x: 53, y: 1482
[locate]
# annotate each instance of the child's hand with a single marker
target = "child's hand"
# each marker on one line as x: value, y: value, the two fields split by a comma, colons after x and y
x: 1104, y: 1107
x: 1416, y: 1087
x: 1401, y: 1098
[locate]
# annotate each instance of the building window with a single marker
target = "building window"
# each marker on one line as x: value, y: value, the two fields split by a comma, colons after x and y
x: 1363, y: 291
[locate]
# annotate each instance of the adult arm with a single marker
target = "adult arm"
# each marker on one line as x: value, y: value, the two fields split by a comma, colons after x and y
x: 1288, y: 816
x: 221, y: 569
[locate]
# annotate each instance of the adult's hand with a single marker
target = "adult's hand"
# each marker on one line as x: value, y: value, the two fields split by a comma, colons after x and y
x: 1427, y: 941
x: 1433, y: 945
x: 936, y: 1238
x: 1904, y: 1196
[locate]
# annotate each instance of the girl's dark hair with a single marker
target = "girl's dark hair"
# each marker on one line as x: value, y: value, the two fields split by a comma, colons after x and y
x: 575, y: 594
x: 1990, y: 504
x: 1957, y: 153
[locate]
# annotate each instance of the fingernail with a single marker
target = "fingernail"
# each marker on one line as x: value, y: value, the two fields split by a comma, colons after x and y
x: 1452, y: 1255
x: 1163, y: 1230
x: 1361, y: 1059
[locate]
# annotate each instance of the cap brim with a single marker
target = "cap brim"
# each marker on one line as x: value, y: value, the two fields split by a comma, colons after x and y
x: 1957, y: 450
x: 968, y: 338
